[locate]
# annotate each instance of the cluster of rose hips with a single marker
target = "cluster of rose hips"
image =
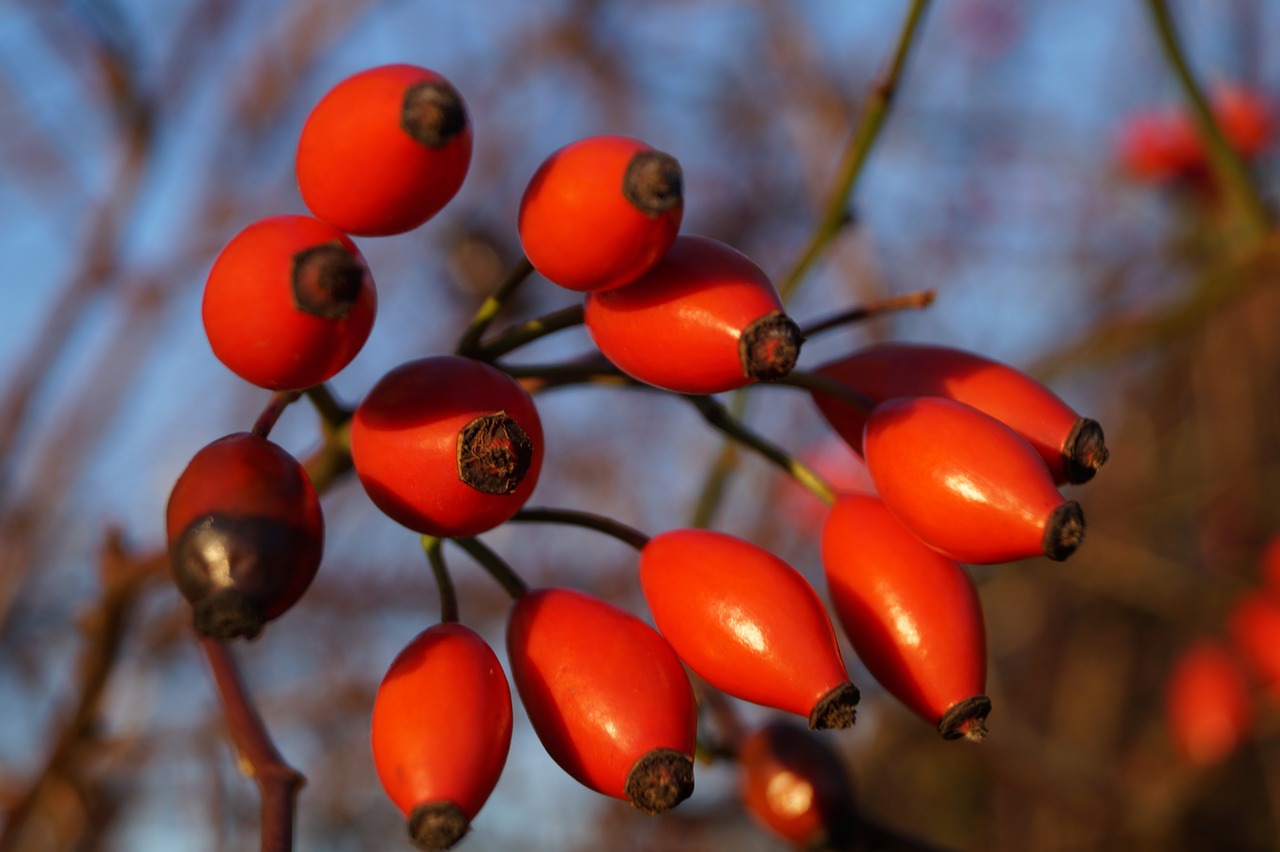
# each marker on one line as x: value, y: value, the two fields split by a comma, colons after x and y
x: 1164, y: 146
x: 966, y: 456
x: 1210, y: 694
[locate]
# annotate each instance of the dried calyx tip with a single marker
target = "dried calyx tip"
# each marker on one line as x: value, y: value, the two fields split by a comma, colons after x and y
x: 653, y: 182
x: 227, y: 614
x: 494, y: 454
x: 437, y: 825
x: 433, y: 113
x: 836, y: 709
x: 769, y: 347
x: 660, y: 780
x: 967, y: 719
x: 1063, y: 531
x: 326, y: 280
x: 1084, y: 451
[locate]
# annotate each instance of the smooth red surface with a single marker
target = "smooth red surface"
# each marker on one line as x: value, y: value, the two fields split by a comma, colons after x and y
x: 1253, y: 624
x: 677, y: 326
x: 743, y: 619
x: 601, y: 687
x: 1208, y: 708
x: 576, y: 226
x: 962, y: 481
x: 359, y: 170
x: 249, y: 314
x: 912, y: 615
x: 404, y: 444
x: 794, y: 784
x: 890, y: 370
x: 244, y: 476
x: 441, y: 725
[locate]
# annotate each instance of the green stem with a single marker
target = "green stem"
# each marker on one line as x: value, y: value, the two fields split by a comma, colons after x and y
x: 334, y: 414
x: 331, y: 461
x: 836, y: 213
x: 908, y: 301
x: 721, y: 470
x: 719, y: 417
x: 469, y: 342
x: 494, y: 564
x: 529, y: 331
x: 280, y: 400
x: 448, y: 597
x: 1228, y: 168
x: 818, y: 383
x: 573, y: 517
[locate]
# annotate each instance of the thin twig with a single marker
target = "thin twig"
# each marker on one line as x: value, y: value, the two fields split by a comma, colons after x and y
x: 469, y: 341
x: 494, y: 564
x: 622, y: 532
x: 908, y: 301
x: 529, y: 331
x: 448, y: 597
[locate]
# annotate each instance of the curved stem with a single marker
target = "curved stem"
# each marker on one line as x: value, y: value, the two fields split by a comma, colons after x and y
x: 278, y: 782
x: 594, y: 369
x: 818, y: 383
x: 334, y: 414
x: 494, y: 564
x: 280, y: 400
x: 529, y: 331
x: 908, y: 301
x: 448, y: 597
x: 574, y: 517
x: 1225, y: 162
x: 721, y: 470
x: 469, y: 342
x: 836, y: 213
x: 719, y: 417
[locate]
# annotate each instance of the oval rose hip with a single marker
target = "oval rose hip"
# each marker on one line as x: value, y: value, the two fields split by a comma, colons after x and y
x: 705, y: 319
x: 748, y: 623
x: 447, y: 446
x: 912, y: 615
x: 600, y: 212
x: 246, y: 534
x: 966, y: 484
x: 441, y: 730
x: 1072, y: 446
x: 606, y: 695
x: 288, y: 303
x: 384, y: 150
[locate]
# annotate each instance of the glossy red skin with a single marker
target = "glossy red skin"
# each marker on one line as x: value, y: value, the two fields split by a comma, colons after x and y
x: 963, y: 482
x: 249, y: 314
x: 889, y: 370
x: 743, y: 619
x: 576, y: 226
x: 601, y: 687
x: 1208, y: 707
x: 677, y: 326
x: 359, y: 170
x: 404, y: 444
x: 912, y: 615
x: 794, y: 784
x: 442, y: 721
x: 244, y: 476
x: 1253, y: 625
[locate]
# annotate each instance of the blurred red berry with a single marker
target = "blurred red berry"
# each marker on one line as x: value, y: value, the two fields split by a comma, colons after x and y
x: 1208, y: 707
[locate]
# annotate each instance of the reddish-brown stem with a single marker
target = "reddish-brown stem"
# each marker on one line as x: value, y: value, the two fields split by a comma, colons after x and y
x: 908, y: 301
x: 280, y: 400
x: 278, y: 783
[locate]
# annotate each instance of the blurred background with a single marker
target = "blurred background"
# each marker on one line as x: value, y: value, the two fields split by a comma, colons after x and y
x: 140, y: 136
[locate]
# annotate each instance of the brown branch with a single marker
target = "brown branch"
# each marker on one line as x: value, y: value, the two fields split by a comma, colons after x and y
x: 277, y: 782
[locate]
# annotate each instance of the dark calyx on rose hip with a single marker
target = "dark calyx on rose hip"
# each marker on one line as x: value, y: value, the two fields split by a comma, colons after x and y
x: 653, y: 182
x: 1084, y: 451
x: 660, y: 780
x: 769, y: 347
x: 494, y: 454
x: 966, y: 719
x: 1063, y: 531
x: 234, y: 569
x: 836, y: 710
x: 433, y: 113
x: 437, y: 825
x: 327, y: 280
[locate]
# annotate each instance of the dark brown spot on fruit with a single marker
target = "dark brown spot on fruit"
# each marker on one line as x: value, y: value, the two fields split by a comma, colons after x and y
x: 327, y: 280
x: 653, y: 182
x: 433, y: 113
x: 494, y: 454
x: 769, y: 348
